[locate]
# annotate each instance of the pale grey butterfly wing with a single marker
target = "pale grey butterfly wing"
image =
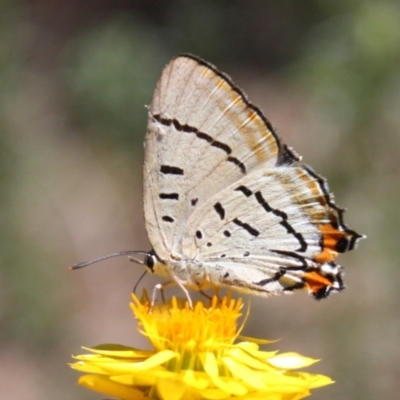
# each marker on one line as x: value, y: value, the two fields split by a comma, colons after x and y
x: 202, y: 136
x: 223, y: 205
x: 256, y: 234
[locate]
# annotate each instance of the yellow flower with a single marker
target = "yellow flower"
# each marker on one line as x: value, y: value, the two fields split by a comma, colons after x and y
x: 195, y: 357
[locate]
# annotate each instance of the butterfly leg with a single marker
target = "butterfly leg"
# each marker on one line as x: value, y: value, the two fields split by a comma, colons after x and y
x: 161, y: 286
x: 205, y: 295
x: 184, y: 290
x: 215, y: 294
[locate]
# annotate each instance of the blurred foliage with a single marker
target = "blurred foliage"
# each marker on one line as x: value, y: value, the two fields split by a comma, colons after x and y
x: 349, y: 62
x: 111, y: 69
x: 350, y: 69
x: 74, y: 80
x: 22, y: 278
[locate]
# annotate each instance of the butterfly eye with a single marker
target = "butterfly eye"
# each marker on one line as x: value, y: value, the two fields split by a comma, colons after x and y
x: 150, y: 260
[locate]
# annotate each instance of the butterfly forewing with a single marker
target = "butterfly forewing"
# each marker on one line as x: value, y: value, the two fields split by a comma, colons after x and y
x: 202, y: 135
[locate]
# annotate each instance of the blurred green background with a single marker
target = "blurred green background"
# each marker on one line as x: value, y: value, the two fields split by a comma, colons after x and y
x: 74, y: 79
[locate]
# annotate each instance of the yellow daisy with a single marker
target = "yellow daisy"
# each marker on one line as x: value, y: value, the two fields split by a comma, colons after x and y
x: 195, y: 357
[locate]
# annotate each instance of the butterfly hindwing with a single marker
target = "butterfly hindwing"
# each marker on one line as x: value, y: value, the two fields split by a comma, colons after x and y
x: 268, y: 230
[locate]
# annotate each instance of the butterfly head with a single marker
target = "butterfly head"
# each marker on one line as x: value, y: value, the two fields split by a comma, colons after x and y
x: 151, y: 260
x: 156, y: 266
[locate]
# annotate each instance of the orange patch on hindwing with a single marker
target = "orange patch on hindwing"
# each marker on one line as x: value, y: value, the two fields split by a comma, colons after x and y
x: 315, y: 281
x: 331, y: 238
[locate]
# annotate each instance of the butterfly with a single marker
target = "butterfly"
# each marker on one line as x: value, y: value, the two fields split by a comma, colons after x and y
x: 226, y: 203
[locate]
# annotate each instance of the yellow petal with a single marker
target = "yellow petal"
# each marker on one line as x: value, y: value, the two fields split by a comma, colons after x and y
x: 248, y: 359
x: 256, y: 340
x: 170, y: 389
x: 264, y: 355
x: 315, y: 380
x: 143, y: 378
x: 94, y: 358
x: 126, y: 367
x: 117, y: 350
x: 83, y: 367
x: 248, y: 346
x: 249, y: 376
x: 291, y: 361
x: 195, y: 380
x: 160, y: 358
x: 103, y: 385
x: 214, y: 394
x: 230, y: 386
x: 209, y: 364
x: 288, y: 390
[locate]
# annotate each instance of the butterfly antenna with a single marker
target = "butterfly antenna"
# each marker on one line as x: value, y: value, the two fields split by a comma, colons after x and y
x: 120, y: 253
x: 138, y: 281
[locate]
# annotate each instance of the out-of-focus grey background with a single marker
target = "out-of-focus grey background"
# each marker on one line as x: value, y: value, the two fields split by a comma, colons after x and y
x: 74, y: 79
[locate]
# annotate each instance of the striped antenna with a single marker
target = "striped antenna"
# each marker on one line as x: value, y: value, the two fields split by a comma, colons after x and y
x: 120, y: 253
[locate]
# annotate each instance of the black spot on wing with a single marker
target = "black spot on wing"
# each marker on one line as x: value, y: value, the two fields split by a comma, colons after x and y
x: 247, y: 227
x: 295, y: 286
x: 167, y: 218
x: 169, y: 169
x: 169, y: 196
x: 220, y: 210
x: 222, y: 146
x: 355, y: 237
x: 193, y: 202
x: 322, y: 293
x: 291, y: 254
x: 202, y: 136
x: 245, y: 190
x: 289, y: 228
x: 287, y: 156
x: 235, y: 161
x: 342, y: 245
x: 278, y: 275
x: 161, y: 120
x: 284, y: 220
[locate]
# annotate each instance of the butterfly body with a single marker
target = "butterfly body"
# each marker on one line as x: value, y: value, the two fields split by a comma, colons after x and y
x: 226, y: 202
